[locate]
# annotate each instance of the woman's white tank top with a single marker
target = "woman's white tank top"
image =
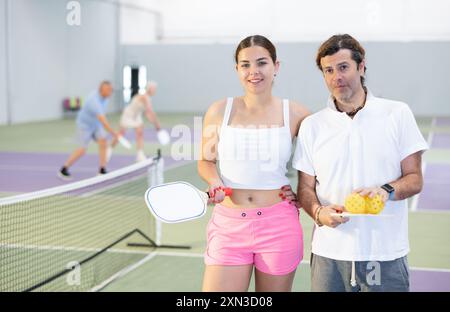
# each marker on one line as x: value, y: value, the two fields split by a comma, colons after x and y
x: 254, y: 157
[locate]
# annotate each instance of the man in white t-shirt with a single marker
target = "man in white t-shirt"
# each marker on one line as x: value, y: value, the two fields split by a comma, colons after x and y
x: 360, y: 144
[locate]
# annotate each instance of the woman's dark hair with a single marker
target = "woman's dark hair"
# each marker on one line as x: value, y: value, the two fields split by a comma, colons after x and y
x: 256, y: 40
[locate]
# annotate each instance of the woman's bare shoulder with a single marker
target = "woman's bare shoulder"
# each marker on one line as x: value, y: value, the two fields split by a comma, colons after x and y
x: 299, y: 109
x: 216, y: 110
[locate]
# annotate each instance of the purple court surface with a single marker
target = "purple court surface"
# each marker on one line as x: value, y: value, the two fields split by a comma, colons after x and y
x: 29, y: 172
x: 429, y: 280
x: 443, y: 122
x: 441, y: 140
x: 435, y: 194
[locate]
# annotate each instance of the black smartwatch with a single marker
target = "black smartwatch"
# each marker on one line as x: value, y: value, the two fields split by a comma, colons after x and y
x: 390, y: 189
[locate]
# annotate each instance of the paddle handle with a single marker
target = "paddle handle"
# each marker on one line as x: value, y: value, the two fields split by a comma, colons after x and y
x: 228, y: 191
x: 125, y: 143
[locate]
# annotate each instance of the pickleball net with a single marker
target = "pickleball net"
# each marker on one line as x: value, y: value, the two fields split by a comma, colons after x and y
x: 77, y: 236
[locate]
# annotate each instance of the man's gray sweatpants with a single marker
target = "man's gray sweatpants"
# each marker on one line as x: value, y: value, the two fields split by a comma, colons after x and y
x: 328, y: 275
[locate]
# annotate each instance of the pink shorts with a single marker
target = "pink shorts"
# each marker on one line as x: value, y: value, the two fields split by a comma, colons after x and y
x: 271, y: 238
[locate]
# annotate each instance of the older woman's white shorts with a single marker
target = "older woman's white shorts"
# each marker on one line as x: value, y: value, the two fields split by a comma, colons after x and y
x: 130, y: 122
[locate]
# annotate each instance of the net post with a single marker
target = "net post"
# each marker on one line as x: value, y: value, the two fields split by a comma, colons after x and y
x: 156, y: 177
x: 158, y: 153
x: 159, y: 180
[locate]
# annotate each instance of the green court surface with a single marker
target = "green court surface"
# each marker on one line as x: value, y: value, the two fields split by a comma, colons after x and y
x: 187, y: 272
x: 181, y: 270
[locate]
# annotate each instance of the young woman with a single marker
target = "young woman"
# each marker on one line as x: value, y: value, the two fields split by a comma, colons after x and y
x: 251, y: 138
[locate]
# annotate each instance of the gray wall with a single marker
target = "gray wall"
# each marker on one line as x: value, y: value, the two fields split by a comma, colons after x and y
x: 37, y: 53
x: 3, y: 86
x: 190, y: 77
x: 51, y: 60
x: 92, y: 49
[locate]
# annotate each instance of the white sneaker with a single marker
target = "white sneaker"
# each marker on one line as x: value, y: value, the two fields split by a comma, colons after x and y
x: 108, y: 153
x: 140, y: 156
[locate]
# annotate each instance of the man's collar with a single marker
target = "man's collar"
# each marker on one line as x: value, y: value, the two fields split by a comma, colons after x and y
x: 332, y: 106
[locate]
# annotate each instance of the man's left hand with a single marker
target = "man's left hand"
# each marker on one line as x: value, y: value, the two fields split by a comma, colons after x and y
x: 372, y: 191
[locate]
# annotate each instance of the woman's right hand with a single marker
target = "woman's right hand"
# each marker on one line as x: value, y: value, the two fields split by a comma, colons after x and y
x: 216, y: 193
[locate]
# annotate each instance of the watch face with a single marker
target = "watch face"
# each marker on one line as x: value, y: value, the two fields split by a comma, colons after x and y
x: 388, y: 188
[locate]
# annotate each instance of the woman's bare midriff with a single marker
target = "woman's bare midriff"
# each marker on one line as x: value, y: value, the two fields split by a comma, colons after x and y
x: 252, y: 198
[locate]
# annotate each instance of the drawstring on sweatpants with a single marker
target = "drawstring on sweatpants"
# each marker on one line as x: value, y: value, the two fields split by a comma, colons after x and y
x: 353, y: 276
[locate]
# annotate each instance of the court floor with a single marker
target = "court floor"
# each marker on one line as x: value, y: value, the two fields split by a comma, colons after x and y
x: 30, y: 155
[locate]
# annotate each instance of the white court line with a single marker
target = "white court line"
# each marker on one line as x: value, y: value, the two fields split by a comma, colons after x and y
x: 68, y: 248
x: 430, y: 269
x: 415, y: 199
x: 199, y: 255
x: 123, y: 272
x: 180, y: 254
x: 432, y: 211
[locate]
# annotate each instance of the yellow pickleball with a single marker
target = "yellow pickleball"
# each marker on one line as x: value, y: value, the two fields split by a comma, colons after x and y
x: 355, y: 203
x: 374, y: 205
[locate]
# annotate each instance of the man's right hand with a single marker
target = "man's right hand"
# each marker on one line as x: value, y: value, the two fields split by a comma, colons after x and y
x: 326, y: 217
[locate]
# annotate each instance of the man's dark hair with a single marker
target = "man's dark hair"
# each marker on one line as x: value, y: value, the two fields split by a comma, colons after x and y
x: 338, y: 42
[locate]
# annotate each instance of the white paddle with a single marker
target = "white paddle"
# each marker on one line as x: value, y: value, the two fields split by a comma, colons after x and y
x: 125, y: 143
x: 177, y: 201
x: 349, y: 214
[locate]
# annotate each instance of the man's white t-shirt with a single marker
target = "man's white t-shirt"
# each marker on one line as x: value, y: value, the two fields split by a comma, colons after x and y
x: 345, y: 154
